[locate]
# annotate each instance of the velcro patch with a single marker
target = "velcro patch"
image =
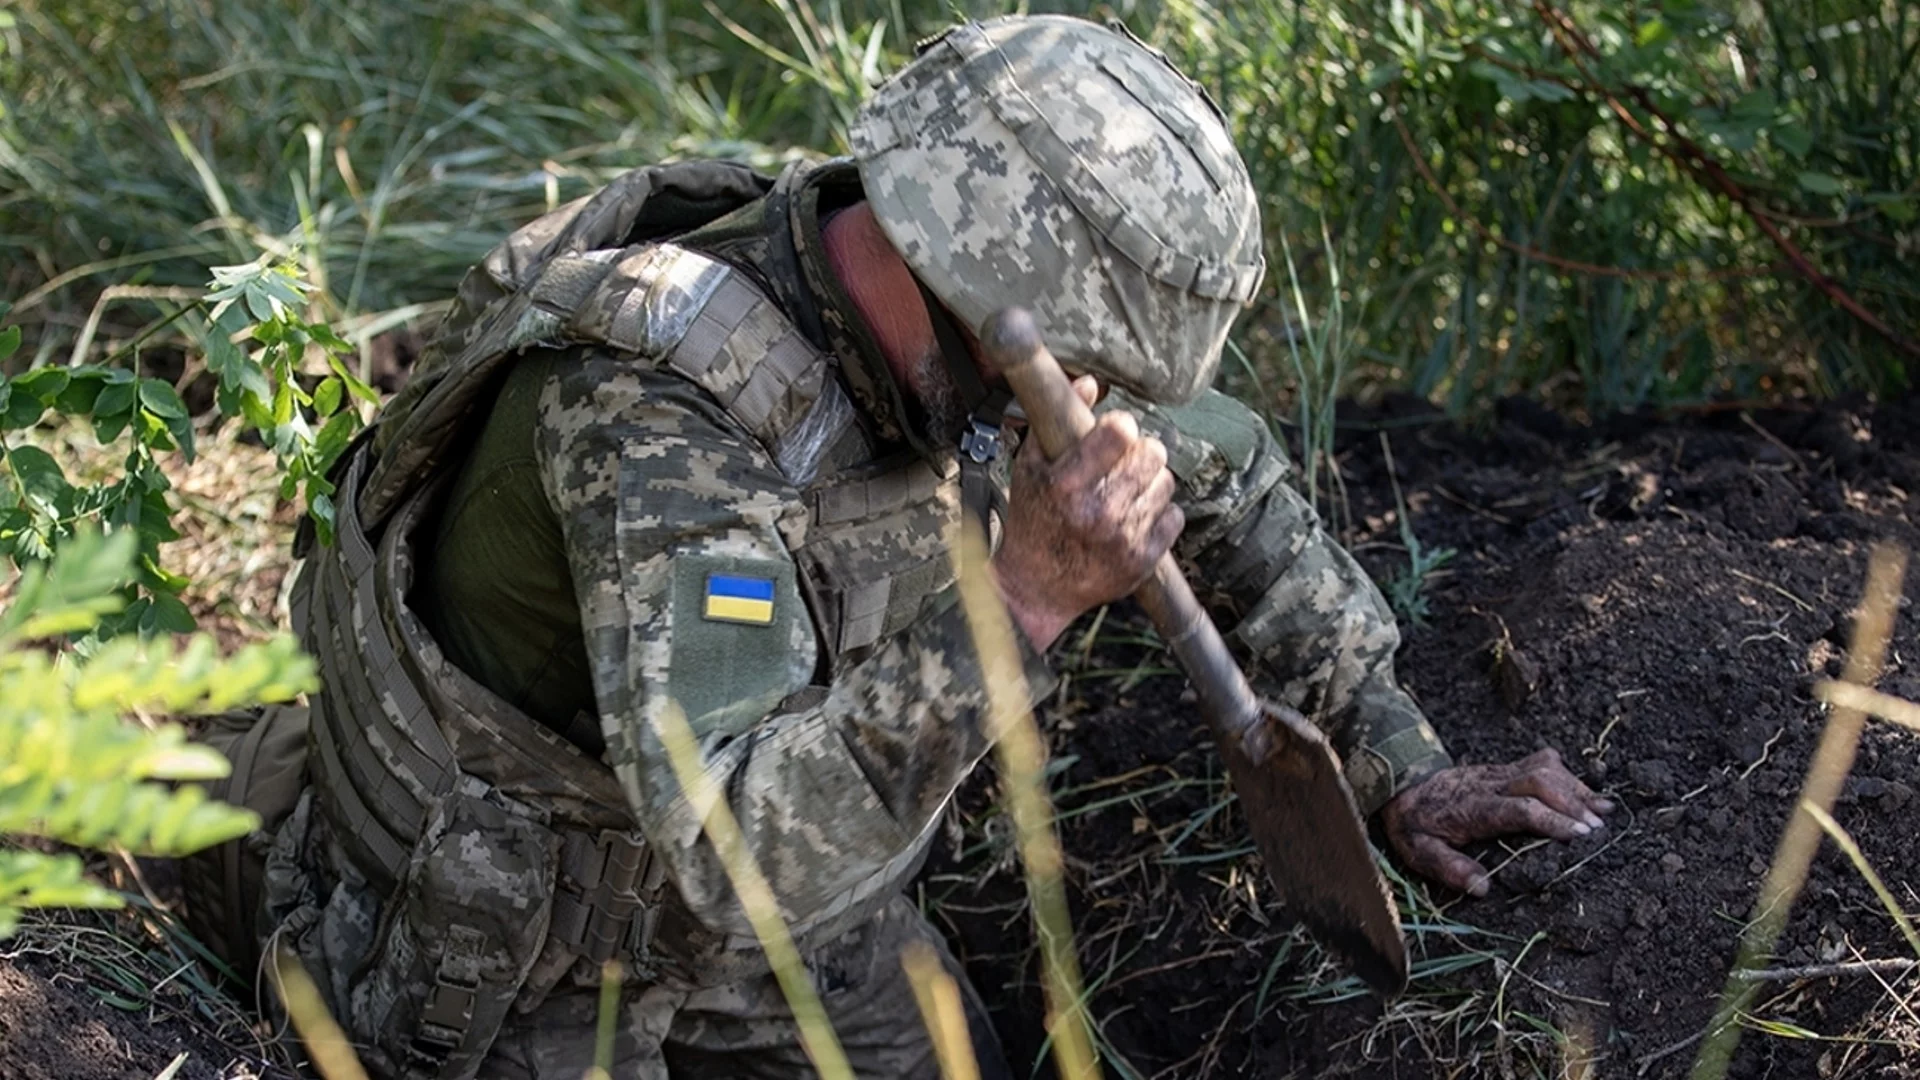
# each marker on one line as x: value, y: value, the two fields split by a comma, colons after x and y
x: 740, y: 640
x: 738, y: 598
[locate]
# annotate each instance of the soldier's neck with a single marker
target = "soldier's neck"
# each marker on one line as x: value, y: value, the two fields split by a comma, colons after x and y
x: 881, y: 287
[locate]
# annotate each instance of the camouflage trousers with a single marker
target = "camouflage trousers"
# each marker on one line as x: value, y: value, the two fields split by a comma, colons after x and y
x: 745, y: 1030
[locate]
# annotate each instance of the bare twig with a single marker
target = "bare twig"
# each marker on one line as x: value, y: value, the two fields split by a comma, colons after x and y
x: 1828, y: 971
x: 1750, y: 579
x: 1665, y: 1052
x: 1798, y: 462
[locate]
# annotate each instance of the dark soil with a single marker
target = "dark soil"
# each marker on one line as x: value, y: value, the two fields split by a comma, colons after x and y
x: 1673, y: 589
x: 63, y: 1018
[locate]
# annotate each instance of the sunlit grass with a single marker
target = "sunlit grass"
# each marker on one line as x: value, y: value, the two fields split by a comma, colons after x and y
x: 702, y: 791
x: 1832, y: 760
x: 1022, y: 756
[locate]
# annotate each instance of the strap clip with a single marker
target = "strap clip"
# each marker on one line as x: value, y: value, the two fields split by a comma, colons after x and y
x: 599, y: 911
x: 981, y: 442
x: 448, y: 1010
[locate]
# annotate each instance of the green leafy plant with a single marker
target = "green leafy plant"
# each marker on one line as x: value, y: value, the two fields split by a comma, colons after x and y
x: 72, y: 768
x: 1319, y: 349
x: 1407, y: 589
x: 259, y: 344
x: 1607, y: 204
x: 260, y: 303
x: 1528, y: 192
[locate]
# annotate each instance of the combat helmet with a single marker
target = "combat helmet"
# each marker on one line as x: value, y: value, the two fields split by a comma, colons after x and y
x: 1068, y: 168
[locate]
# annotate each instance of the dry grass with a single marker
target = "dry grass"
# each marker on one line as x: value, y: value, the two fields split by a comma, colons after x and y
x: 940, y: 1009
x: 331, y: 1053
x: 703, y: 792
x: 142, y: 963
x: 1023, y: 761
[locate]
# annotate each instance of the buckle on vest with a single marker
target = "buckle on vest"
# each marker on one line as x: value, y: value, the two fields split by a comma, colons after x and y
x: 981, y: 441
x: 448, y: 1010
x: 598, y: 910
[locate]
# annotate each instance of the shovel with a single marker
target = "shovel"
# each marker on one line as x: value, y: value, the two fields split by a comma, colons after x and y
x: 1295, y: 797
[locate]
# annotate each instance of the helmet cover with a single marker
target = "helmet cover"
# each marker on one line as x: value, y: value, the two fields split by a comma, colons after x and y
x: 1061, y: 166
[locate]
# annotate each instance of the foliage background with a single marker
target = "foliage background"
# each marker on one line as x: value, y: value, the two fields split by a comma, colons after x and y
x: 1605, y: 204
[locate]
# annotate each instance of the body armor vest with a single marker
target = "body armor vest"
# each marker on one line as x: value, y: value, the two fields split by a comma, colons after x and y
x: 420, y: 773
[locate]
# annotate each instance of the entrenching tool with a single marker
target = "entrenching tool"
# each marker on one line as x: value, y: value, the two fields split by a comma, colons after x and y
x: 1295, y: 797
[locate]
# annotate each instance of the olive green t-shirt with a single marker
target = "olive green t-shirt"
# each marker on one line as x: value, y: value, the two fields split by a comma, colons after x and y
x: 498, y: 593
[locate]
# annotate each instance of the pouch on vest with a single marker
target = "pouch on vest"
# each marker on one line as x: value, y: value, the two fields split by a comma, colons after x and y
x: 464, y: 928
x: 268, y: 750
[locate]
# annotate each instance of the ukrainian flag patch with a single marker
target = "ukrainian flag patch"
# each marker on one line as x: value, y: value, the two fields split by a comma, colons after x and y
x: 737, y: 598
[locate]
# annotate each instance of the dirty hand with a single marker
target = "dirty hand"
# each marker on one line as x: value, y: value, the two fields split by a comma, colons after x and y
x: 1086, y: 529
x: 1429, y: 822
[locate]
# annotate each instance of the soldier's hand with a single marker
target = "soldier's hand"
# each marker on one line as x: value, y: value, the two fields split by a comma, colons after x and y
x: 1429, y: 822
x: 1086, y: 529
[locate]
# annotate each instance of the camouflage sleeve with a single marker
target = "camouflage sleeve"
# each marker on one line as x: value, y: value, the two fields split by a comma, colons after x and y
x: 1319, y: 628
x: 676, y: 525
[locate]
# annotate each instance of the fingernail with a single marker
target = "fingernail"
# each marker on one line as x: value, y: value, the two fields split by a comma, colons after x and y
x: 1478, y: 886
x: 1582, y: 828
x: 1592, y: 820
x: 1605, y: 806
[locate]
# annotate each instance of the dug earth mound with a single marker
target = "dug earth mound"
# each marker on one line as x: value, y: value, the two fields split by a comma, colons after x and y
x: 1653, y: 599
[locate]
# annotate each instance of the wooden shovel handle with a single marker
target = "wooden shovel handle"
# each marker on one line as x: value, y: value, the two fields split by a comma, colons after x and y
x: 1059, y: 419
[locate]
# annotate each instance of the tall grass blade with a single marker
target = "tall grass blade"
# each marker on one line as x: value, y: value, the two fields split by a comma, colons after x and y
x: 612, y: 976
x: 1832, y: 760
x: 756, y: 895
x: 1872, y: 702
x: 939, y: 999
x: 1844, y: 840
x: 326, y: 1044
x: 1023, y: 758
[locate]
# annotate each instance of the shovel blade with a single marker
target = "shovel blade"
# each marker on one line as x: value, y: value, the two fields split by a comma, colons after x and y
x: 1308, y: 830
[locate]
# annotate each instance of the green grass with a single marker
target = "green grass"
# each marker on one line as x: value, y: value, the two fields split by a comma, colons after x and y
x: 1497, y: 227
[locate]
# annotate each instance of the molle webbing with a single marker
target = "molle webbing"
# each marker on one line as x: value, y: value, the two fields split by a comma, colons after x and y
x: 693, y: 315
x: 399, y: 721
x: 660, y: 304
x: 399, y: 726
x: 871, y: 605
x: 383, y: 752
x: 640, y: 206
x: 379, y: 758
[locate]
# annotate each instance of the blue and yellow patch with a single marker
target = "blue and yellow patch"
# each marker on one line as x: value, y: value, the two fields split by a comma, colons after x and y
x: 736, y: 598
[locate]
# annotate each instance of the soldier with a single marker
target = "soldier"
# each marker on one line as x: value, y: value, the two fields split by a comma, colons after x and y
x: 700, y: 439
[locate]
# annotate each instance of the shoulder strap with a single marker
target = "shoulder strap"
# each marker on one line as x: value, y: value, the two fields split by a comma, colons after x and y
x: 494, y: 314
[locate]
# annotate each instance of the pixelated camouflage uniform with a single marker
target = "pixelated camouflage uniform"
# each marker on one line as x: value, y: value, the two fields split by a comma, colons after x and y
x: 665, y: 415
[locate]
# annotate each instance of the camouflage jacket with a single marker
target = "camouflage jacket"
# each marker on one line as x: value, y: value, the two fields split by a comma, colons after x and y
x: 793, y: 594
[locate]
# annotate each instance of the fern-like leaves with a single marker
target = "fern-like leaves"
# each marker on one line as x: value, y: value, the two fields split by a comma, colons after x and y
x: 73, y: 768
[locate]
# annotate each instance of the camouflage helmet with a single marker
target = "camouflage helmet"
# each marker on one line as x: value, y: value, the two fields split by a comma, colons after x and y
x: 1056, y: 164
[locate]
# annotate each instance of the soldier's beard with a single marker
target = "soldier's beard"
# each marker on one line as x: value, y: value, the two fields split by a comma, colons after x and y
x: 942, y: 414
